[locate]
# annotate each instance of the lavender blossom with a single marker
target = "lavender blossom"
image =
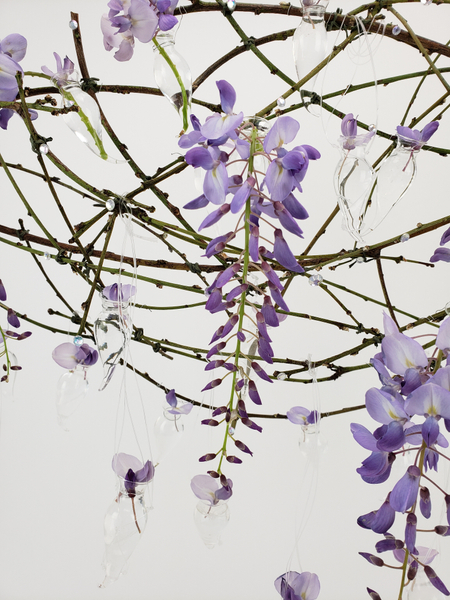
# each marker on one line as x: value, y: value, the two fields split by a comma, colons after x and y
x: 64, y: 71
x: 350, y: 139
x: 296, y: 586
x: 69, y: 356
x: 118, y: 292
x: 175, y: 408
x: 132, y: 471
x: 207, y: 488
x: 414, y: 138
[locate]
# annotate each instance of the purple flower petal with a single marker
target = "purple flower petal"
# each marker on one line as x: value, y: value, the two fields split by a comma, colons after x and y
x: 283, y: 253
x: 227, y: 96
x: 282, y: 132
x: 435, y: 581
x: 3, y: 295
x: 171, y: 398
x: 405, y: 490
x: 12, y: 318
x: 214, y: 217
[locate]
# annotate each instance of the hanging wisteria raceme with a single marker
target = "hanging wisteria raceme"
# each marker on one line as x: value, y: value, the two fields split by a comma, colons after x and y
x: 419, y: 388
x: 258, y: 199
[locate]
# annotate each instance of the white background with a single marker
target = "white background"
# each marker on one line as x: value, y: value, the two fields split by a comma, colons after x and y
x: 288, y: 511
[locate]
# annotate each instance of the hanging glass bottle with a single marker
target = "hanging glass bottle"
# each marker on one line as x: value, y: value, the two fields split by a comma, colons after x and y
x: 71, y: 389
x: 211, y: 520
x: 168, y: 432
x: 172, y: 74
x: 310, y: 40
x: 112, y: 329
x: 397, y: 171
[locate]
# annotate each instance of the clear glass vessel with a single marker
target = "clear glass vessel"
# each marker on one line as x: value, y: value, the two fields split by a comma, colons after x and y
x: 210, y: 520
x: 112, y: 330
x: 71, y: 389
x: 168, y: 432
x: 124, y: 524
x: 353, y: 183
x: 166, y: 78
x: 310, y: 40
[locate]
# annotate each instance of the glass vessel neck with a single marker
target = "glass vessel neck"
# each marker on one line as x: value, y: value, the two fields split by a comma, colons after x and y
x: 313, y: 14
x: 164, y: 38
x: 111, y: 305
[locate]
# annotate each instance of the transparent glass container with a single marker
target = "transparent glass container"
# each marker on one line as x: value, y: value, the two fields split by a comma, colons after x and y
x: 310, y: 42
x: 211, y: 520
x: 353, y: 183
x: 393, y: 179
x: 112, y: 330
x: 166, y: 78
x: 168, y: 430
x: 86, y: 122
x: 124, y: 524
x: 71, y: 389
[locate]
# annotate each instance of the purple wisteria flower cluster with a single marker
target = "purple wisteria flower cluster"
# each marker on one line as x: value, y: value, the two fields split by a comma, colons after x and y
x: 298, y: 586
x: 411, y: 406
x: 69, y: 355
x: 12, y: 50
x: 6, y: 334
x: 140, y: 19
x: 228, y: 150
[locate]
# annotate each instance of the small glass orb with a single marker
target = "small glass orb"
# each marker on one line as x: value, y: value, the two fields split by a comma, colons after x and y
x: 447, y: 308
x: 110, y: 204
x: 164, y: 235
x: 281, y: 102
x: 69, y: 103
x: 360, y: 259
x: 372, y: 127
x: 231, y: 4
x: 73, y: 25
x: 78, y: 340
x: 396, y: 30
x: 47, y: 255
x: 281, y: 376
x: 404, y: 237
x: 315, y: 279
x: 231, y: 430
x: 43, y: 149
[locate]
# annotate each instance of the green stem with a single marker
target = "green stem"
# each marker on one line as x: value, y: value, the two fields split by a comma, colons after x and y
x: 178, y: 78
x: 97, y: 140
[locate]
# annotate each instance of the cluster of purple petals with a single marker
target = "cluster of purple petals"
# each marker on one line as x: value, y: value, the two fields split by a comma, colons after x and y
x: 415, y: 139
x: 64, y: 70
x: 350, y: 139
x: 69, y: 355
x: 177, y: 408
x: 209, y: 489
x: 413, y: 391
x: 442, y: 253
x: 298, y: 586
x: 12, y: 320
x: 130, y: 19
x: 132, y: 471
x: 12, y: 50
x: 118, y: 292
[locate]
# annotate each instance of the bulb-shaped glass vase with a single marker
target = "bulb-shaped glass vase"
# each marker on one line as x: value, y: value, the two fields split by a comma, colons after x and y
x: 310, y: 42
x: 210, y: 520
x: 112, y: 330
x: 172, y: 75
x: 86, y: 121
x: 71, y: 389
x: 394, y: 178
x: 168, y: 430
x: 125, y: 522
x: 353, y: 182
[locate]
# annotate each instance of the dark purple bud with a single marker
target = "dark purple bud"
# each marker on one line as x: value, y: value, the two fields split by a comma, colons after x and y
x: 230, y: 325
x: 210, y: 422
x: 239, y: 385
x: 435, y: 581
x: 219, y: 411
x: 251, y: 424
x: 229, y: 367
x: 15, y: 368
x: 444, y: 239
x: 410, y: 531
x: 234, y: 459
x: 215, y: 216
x: 268, y: 311
x: 241, y: 409
x: 171, y: 398
x: 215, y: 349
x: 206, y: 457
x: 373, y: 594
x: 225, y: 491
x: 237, y: 291
x: 214, y: 299
x: 260, y: 321
x: 265, y: 350
x: 218, y: 244
x: 374, y: 560
x: 277, y: 297
x: 223, y: 480
x: 425, y: 502
x: 211, y: 385
x: 389, y: 543
x: 23, y: 336
x: 253, y: 392
x: 412, y: 571
x: 260, y: 372
x: 243, y: 447
x: 442, y: 530
x: 213, y: 474
x: 217, y: 335
x: 3, y: 295
x: 271, y: 275
x: 229, y: 272
x: 241, y: 336
x: 214, y: 364
x: 12, y: 318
